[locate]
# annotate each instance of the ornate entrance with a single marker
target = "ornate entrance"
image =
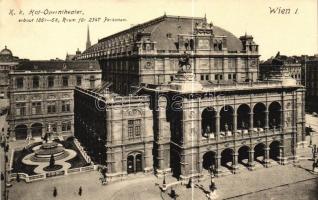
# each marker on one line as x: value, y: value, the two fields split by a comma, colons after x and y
x: 134, y: 163
x: 36, y: 130
x: 21, y: 132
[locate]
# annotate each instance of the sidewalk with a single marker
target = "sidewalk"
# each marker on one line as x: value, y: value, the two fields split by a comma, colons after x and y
x: 278, y: 182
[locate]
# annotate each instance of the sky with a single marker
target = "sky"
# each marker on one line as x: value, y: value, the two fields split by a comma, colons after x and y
x: 291, y: 34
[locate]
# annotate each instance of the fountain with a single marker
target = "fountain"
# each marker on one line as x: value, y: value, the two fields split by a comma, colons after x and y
x: 49, y: 156
x: 44, y: 152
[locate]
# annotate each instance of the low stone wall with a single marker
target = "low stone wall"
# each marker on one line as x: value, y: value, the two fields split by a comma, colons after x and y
x: 83, y: 152
x: 43, y: 176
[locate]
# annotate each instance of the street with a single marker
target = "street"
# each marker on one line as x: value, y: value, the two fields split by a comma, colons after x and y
x: 277, y: 182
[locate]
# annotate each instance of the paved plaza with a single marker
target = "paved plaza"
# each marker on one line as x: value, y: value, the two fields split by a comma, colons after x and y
x: 277, y: 182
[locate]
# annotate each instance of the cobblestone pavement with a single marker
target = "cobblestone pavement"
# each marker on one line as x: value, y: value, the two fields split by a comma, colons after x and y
x: 275, y: 183
x: 277, y: 180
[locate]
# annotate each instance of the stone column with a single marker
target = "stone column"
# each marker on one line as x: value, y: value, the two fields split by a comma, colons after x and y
x: 251, y: 163
x: 266, y: 120
x: 282, y: 158
x: 200, y: 161
x: 217, y: 125
x: 266, y: 157
x: 251, y: 122
x: 282, y: 122
x: 148, y: 161
x: 218, y: 164
x: 234, y: 122
x: 234, y: 161
x: 199, y: 121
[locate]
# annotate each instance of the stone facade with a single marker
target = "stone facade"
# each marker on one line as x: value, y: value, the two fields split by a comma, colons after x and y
x: 201, y: 94
x: 273, y: 118
x: 149, y: 53
x: 41, y: 93
x: 310, y: 70
x: 117, y: 131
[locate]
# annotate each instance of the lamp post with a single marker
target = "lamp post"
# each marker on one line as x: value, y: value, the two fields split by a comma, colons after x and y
x: 164, y: 186
x: 310, y: 136
x: 100, y: 149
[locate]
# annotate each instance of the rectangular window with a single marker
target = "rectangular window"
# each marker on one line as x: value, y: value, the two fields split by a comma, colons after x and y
x: 66, y: 126
x: 244, y: 64
x: 234, y: 76
x: 50, y: 82
x: 221, y: 77
x: 66, y: 107
x: 232, y: 63
x: 92, y: 84
x: 130, y: 128
x: 36, y: 108
x: 20, y: 109
x: 65, y: 81
x: 216, y: 77
x: 51, y: 107
x: 19, y: 82
x: 229, y: 76
x: 207, y: 77
x: 134, y: 128
x: 36, y: 82
x: 202, y: 77
x: 137, y: 124
x: 218, y: 63
x: 78, y: 80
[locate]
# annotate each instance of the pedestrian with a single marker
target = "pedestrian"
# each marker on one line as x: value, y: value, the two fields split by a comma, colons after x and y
x: 54, y: 192
x: 80, y: 191
x: 18, y: 177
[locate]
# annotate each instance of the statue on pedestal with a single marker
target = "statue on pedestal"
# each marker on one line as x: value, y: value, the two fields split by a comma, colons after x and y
x: 184, y: 61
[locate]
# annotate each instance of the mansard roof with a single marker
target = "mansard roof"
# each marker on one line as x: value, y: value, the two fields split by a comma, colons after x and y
x: 174, y: 26
x: 54, y: 65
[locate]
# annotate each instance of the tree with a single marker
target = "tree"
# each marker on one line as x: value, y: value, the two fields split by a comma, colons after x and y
x: 52, y: 161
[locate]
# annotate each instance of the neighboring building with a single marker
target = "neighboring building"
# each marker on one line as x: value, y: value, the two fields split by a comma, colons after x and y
x: 72, y: 56
x: 7, y: 63
x: 290, y: 64
x: 41, y: 93
x: 310, y: 69
x: 197, y: 102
